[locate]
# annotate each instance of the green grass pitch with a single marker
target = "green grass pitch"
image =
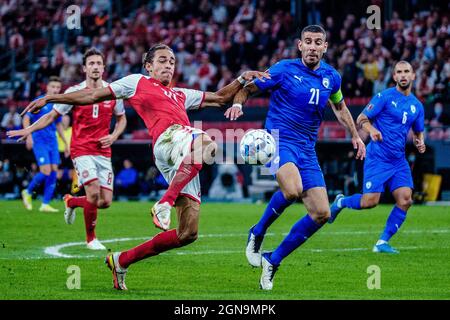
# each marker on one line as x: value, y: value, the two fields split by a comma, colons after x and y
x: 333, y: 264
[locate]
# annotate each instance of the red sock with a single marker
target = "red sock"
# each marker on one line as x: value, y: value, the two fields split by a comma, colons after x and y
x: 90, y: 220
x: 161, y: 242
x: 185, y: 173
x: 76, y: 202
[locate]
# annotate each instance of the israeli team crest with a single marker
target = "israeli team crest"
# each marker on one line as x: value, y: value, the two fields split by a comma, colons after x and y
x: 325, y: 82
x: 413, y: 108
x: 368, y: 184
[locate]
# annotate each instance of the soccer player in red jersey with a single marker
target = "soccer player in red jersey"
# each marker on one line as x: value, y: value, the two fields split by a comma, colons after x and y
x: 180, y: 150
x: 90, y: 147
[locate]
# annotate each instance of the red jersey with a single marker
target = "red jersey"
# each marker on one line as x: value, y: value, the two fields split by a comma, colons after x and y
x: 159, y: 106
x: 90, y: 123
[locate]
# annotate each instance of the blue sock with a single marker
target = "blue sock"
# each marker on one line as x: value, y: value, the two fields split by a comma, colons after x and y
x: 393, y: 223
x: 36, y: 181
x: 300, y: 232
x: 276, y: 206
x: 352, y: 202
x: 50, y: 185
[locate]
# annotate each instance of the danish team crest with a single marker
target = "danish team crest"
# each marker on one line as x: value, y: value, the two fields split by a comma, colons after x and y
x: 325, y: 82
x: 413, y: 108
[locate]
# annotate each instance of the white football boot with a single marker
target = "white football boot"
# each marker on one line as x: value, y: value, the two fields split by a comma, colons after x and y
x: 161, y: 215
x: 69, y: 213
x: 253, y: 249
x: 268, y: 271
x: 118, y: 273
x: 95, y: 245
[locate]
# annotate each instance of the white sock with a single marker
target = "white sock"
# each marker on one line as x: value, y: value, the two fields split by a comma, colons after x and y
x: 381, y: 242
x: 339, y: 203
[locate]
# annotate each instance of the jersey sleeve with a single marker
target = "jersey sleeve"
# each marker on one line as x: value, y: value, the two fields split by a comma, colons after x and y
x: 336, y: 93
x: 375, y: 106
x: 194, y: 98
x: 119, y: 109
x: 418, y: 124
x: 276, y: 72
x: 65, y: 108
x: 125, y: 88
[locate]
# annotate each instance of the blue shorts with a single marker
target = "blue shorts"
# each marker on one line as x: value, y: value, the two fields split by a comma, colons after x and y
x: 305, y: 158
x: 46, y: 154
x: 379, y: 173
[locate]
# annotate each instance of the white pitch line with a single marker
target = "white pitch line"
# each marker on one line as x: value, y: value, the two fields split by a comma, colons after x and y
x: 54, y: 251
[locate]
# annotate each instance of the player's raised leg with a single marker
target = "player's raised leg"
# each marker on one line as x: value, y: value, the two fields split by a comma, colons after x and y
x: 203, y: 150
x: 356, y: 201
x: 316, y: 202
x: 403, y: 201
x: 188, y: 211
x: 290, y: 183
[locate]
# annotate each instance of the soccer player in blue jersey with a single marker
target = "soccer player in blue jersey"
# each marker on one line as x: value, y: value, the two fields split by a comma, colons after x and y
x: 45, y: 149
x: 388, y: 118
x: 300, y: 90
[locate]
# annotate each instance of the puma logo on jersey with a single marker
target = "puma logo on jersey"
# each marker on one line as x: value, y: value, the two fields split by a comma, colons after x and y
x: 298, y: 78
x: 394, y: 103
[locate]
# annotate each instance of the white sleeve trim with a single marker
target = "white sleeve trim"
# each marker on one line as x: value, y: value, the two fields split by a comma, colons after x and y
x: 194, y: 98
x: 119, y: 108
x: 125, y: 88
x: 66, y: 108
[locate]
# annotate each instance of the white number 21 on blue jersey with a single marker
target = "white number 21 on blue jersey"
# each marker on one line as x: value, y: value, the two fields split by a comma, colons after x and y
x: 314, y: 96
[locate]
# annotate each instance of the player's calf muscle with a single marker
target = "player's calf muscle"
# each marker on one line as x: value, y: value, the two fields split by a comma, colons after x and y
x: 369, y: 201
x: 188, y: 213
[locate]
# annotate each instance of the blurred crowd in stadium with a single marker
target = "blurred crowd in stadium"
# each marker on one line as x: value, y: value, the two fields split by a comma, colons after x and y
x: 216, y: 40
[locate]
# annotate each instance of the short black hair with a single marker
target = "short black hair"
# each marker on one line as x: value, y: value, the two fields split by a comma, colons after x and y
x: 54, y: 79
x: 92, y: 52
x: 314, y: 28
x: 150, y: 54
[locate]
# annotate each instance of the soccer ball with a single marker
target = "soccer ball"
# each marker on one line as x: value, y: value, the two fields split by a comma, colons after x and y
x: 257, y: 147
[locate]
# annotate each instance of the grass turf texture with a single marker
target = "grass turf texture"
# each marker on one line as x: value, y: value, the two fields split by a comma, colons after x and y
x: 331, y: 265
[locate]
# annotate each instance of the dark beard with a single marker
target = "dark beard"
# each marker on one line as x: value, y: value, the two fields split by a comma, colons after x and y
x: 405, y: 87
x: 312, y: 65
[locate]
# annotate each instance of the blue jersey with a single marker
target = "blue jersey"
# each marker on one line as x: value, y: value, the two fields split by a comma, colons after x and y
x: 298, y: 98
x: 46, y: 135
x: 393, y: 114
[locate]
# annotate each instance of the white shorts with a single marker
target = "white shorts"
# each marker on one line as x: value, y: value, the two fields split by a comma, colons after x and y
x: 172, y: 146
x: 90, y: 168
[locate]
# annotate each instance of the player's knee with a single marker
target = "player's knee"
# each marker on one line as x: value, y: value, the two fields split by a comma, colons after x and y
x: 45, y: 171
x: 292, y: 194
x: 321, y: 215
x: 93, y: 197
x: 210, y: 149
x: 405, y: 203
x: 103, y: 204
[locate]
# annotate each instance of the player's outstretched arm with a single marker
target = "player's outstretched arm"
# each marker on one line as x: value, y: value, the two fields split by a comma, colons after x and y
x: 43, y: 122
x: 235, y: 111
x: 226, y: 94
x: 80, y: 97
x: 345, y: 118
